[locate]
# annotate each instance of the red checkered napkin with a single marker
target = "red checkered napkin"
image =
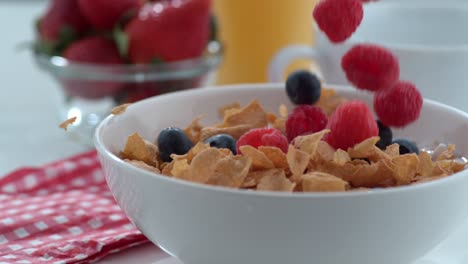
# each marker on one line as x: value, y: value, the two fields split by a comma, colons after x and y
x: 61, y: 213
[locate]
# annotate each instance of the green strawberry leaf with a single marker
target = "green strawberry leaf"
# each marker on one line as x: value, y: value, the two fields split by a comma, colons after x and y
x: 156, y: 60
x: 213, y: 28
x: 121, y: 40
x: 67, y: 36
x: 44, y: 47
x: 37, y: 24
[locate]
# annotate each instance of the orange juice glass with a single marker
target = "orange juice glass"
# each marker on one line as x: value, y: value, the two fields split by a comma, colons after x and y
x: 254, y: 30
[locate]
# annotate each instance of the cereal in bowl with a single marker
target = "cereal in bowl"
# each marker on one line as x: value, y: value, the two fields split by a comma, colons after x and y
x: 345, y: 149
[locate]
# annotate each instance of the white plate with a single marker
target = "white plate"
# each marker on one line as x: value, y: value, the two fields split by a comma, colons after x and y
x: 452, y: 251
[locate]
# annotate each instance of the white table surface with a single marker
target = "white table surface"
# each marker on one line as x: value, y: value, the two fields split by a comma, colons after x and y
x: 29, y: 135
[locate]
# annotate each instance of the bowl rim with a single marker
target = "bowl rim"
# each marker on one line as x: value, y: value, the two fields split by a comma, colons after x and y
x: 63, y: 68
x: 102, y: 150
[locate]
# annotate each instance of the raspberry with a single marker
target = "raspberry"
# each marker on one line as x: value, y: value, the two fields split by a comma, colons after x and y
x: 371, y: 67
x: 305, y: 119
x: 338, y: 19
x: 263, y: 137
x: 367, y: 1
x: 350, y: 124
x: 398, y: 106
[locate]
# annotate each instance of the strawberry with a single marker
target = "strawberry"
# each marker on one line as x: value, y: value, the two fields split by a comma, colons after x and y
x: 62, y: 23
x: 104, y: 14
x: 169, y: 30
x: 94, y: 50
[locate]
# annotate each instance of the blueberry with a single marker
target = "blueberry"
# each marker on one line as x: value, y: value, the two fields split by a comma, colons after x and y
x: 385, y: 134
x: 223, y: 141
x: 303, y: 87
x: 406, y: 146
x: 173, y: 140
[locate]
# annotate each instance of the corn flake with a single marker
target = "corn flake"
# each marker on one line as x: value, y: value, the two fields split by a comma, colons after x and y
x: 310, y: 142
x: 252, y: 114
x: 181, y: 170
x: 372, y: 175
x: 254, y: 177
x: 64, y: 125
x: 194, y: 130
x: 447, y: 154
x: 228, y: 107
x: 363, y: 149
x: 230, y: 171
x: 199, y: 147
x: 405, y: 168
x: 426, y: 166
x: 393, y: 150
x: 341, y: 157
x: 322, y: 182
x: 324, y: 151
x: 275, y: 155
x: 447, y: 167
x: 118, y: 110
x: 271, y: 118
x: 166, y: 168
x: 137, y: 148
x: 204, y: 164
x: 259, y: 160
x: 280, y: 124
x: 298, y: 160
x: 276, y: 182
x: 142, y: 165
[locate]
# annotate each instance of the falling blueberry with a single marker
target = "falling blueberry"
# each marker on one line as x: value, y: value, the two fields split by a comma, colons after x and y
x: 406, y: 146
x: 173, y: 140
x: 303, y: 87
x: 385, y: 134
x: 222, y: 141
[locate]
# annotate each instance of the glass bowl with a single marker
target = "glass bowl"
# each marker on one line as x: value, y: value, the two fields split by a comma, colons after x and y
x: 90, y: 91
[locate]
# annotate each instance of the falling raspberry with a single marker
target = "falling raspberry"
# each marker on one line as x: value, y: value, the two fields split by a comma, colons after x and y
x: 338, y: 18
x: 350, y: 124
x: 305, y: 119
x: 371, y: 67
x: 398, y: 106
x: 263, y: 137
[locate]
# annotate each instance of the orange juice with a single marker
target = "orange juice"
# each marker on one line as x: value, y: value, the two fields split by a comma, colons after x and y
x: 254, y: 30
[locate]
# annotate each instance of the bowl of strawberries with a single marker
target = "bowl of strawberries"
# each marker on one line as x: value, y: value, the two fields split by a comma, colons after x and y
x: 108, y: 52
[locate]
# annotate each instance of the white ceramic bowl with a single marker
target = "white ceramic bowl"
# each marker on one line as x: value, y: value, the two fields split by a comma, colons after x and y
x: 211, y: 225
